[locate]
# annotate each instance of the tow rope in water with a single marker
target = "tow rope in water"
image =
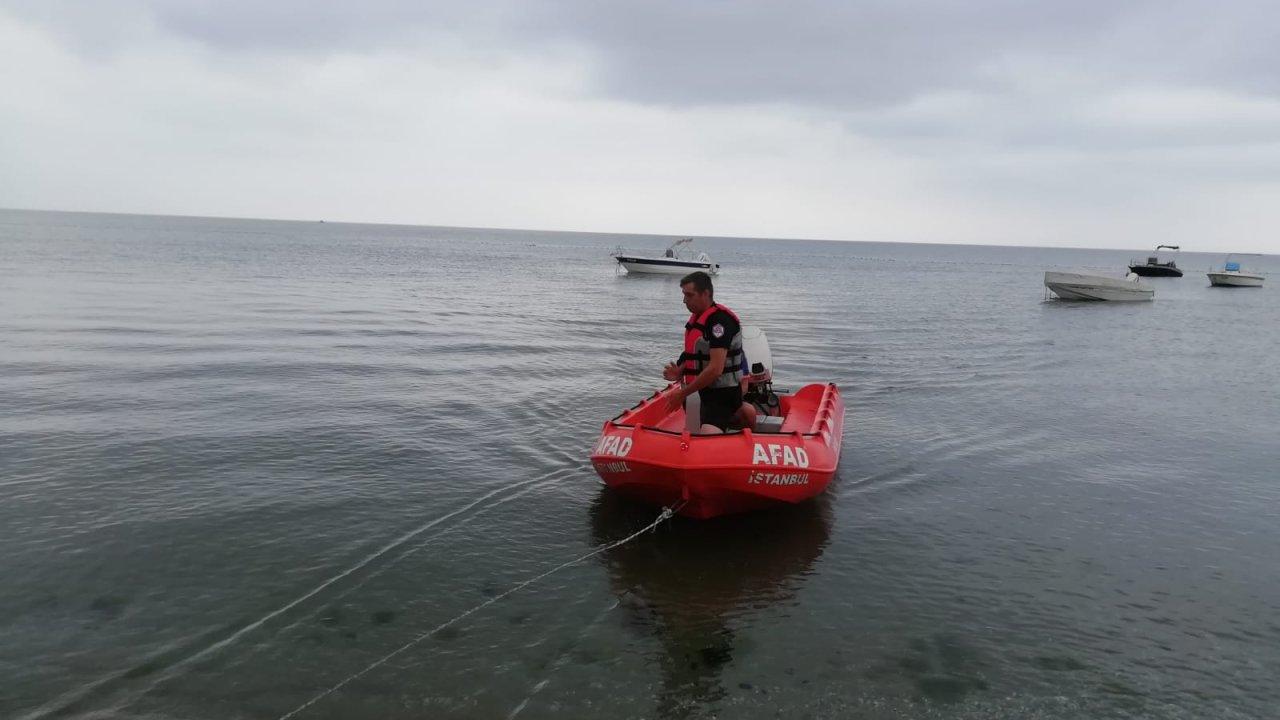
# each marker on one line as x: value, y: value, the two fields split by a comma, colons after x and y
x: 564, y: 658
x: 663, y: 516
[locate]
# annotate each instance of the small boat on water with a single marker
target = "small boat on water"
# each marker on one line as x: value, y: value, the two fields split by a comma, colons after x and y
x: 1078, y: 286
x: 649, y: 454
x: 1232, y: 275
x: 675, y: 260
x: 1153, y: 267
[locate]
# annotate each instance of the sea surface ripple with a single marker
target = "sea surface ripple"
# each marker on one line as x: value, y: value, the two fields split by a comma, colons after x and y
x: 242, y: 461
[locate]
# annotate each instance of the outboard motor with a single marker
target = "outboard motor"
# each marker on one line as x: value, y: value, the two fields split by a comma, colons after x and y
x: 760, y: 391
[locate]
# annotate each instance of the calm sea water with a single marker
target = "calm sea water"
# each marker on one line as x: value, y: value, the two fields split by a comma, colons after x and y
x: 244, y: 463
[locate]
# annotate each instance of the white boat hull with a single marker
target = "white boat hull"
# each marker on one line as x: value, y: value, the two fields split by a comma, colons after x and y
x: 665, y: 266
x: 1075, y: 286
x: 1235, y: 279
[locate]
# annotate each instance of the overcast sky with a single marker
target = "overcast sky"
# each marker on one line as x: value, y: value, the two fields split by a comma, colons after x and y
x: 1090, y: 124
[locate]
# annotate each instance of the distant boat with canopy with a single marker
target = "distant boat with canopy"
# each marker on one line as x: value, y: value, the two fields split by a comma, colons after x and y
x: 1153, y: 267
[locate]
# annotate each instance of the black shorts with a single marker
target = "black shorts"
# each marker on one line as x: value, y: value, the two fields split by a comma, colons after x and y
x: 719, y: 405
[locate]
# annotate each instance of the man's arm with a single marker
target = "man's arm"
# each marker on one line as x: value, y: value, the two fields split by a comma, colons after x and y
x: 713, y: 370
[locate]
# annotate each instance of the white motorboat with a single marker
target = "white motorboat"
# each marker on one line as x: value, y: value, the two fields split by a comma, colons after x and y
x: 676, y: 260
x: 1077, y: 286
x: 1231, y: 275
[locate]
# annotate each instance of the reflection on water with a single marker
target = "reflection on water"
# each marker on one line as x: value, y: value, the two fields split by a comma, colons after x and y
x: 691, y: 580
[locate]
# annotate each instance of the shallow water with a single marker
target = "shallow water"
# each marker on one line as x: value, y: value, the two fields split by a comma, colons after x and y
x: 242, y: 462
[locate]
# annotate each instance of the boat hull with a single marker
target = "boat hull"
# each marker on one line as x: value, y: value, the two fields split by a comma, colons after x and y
x: 665, y: 266
x: 1235, y: 279
x: 1155, y: 271
x: 1074, y: 286
x: 643, y: 455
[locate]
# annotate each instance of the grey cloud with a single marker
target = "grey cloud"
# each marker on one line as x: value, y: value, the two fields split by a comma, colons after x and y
x: 1001, y: 112
x: 873, y: 54
x: 325, y: 27
x: 812, y: 53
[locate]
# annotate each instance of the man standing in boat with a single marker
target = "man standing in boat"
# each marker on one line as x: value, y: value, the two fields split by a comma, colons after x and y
x: 711, y: 364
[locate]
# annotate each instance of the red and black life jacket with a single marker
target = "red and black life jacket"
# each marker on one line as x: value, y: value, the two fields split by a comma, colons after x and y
x: 697, y: 350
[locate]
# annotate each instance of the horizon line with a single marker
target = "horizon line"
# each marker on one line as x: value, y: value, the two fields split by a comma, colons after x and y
x: 327, y: 221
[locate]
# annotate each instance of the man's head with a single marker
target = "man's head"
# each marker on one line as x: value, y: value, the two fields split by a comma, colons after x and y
x: 698, y: 292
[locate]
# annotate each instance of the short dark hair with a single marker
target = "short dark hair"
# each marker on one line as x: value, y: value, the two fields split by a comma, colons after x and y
x: 701, y: 281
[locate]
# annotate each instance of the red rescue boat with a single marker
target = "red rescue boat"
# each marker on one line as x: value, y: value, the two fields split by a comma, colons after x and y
x: 647, y: 454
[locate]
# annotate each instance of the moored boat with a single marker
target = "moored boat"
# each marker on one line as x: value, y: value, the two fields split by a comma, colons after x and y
x: 1153, y: 267
x: 647, y: 454
x: 1079, y: 286
x: 1232, y: 275
x: 674, y: 261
